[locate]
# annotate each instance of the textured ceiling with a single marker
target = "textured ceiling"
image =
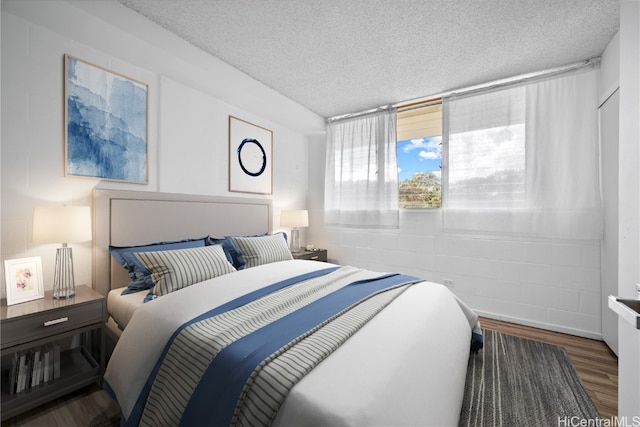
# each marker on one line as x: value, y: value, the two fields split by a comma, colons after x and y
x: 343, y: 56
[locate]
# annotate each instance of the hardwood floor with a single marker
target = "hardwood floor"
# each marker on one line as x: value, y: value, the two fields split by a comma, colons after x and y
x: 594, y: 362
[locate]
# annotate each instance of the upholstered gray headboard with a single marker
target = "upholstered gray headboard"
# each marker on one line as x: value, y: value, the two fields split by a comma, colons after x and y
x: 124, y: 218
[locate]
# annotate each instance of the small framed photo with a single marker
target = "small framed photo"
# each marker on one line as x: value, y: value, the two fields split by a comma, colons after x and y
x: 23, y: 278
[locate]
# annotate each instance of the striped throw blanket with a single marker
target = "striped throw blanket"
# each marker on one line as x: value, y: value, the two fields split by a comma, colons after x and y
x: 236, y: 364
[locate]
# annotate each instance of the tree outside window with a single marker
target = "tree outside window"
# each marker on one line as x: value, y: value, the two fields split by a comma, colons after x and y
x: 419, y: 152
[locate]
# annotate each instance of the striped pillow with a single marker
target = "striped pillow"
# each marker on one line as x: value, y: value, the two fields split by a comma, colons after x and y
x: 262, y: 249
x: 177, y: 269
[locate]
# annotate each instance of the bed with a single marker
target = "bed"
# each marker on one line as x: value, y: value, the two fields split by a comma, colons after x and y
x: 276, y: 342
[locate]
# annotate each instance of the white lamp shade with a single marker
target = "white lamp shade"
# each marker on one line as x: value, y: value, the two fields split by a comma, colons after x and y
x: 294, y: 218
x: 61, y: 224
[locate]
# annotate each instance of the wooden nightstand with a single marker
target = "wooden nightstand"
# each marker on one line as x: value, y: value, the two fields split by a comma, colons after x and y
x: 317, y: 255
x: 60, y: 338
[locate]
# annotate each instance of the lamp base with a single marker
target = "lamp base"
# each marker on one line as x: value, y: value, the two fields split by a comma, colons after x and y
x: 63, y: 279
x: 295, y: 240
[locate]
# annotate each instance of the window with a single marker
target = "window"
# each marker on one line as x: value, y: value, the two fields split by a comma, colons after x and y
x: 486, y: 151
x: 361, y: 178
x: 524, y: 159
x: 485, y: 154
x: 419, y: 152
x: 514, y: 159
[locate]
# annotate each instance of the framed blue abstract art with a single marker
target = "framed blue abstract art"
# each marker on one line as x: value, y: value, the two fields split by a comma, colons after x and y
x: 105, y: 124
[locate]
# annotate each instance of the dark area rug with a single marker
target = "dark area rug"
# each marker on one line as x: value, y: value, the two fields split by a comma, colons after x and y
x: 513, y: 381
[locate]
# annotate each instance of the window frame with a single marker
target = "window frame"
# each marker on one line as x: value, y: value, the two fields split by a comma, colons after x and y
x: 407, y: 117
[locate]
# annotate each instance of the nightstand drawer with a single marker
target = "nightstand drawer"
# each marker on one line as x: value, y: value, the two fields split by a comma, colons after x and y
x: 71, y: 329
x: 318, y: 255
x: 44, y: 324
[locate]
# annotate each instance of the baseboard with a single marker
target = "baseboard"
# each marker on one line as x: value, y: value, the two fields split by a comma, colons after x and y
x: 541, y: 325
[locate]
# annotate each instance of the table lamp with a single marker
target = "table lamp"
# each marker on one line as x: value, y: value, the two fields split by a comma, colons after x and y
x: 62, y: 224
x: 294, y: 219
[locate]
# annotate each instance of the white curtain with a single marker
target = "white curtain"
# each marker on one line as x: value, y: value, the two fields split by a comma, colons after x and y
x: 525, y: 159
x: 361, y: 175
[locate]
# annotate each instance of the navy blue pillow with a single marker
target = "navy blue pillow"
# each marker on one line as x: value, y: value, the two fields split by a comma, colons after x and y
x: 140, y: 276
x: 229, y: 250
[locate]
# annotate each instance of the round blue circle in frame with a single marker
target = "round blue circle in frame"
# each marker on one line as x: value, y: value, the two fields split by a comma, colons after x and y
x: 252, y: 157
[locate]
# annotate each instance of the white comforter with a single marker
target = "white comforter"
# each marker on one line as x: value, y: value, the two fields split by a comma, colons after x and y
x: 417, y: 378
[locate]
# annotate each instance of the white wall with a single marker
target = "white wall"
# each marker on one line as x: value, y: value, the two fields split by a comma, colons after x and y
x: 191, y: 95
x: 551, y: 283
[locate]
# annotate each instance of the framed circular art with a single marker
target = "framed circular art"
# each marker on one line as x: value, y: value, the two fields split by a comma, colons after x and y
x: 250, y: 157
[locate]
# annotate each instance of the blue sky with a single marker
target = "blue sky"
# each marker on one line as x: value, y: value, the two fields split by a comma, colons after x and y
x: 419, y: 155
